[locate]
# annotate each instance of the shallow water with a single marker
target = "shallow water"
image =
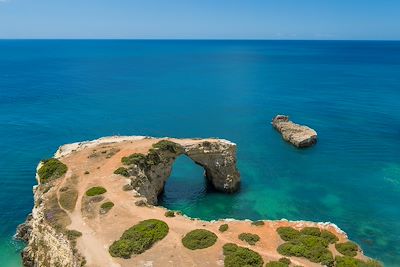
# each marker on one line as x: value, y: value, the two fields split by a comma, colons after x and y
x: 56, y: 92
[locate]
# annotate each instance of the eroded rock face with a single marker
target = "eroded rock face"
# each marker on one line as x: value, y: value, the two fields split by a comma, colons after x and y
x: 296, y: 134
x: 217, y: 157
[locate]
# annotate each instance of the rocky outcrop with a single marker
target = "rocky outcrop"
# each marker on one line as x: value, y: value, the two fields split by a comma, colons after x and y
x: 45, y: 229
x: 217, y: 157
x: 47, y: 245
x: 298, y: 135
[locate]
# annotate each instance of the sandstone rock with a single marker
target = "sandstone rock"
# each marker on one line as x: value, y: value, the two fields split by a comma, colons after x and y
x: 217, y: 157
x: 24, y: 229
x: 298, y: 135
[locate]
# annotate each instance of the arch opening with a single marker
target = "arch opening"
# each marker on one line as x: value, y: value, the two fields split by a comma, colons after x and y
x: 186, y: 184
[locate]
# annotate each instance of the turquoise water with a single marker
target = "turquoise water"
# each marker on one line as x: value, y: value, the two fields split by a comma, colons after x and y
x: 56, y: 92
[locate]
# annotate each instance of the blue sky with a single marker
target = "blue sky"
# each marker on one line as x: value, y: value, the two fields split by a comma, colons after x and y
x: 201, y: 19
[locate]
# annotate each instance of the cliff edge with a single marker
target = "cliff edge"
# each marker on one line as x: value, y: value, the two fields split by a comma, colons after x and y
x: 95, y: 206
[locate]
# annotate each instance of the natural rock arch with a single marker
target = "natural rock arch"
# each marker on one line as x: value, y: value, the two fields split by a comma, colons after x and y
x: 217, y: 157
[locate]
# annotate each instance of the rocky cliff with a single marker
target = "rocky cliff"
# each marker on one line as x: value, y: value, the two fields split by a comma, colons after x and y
x: 50, y: 242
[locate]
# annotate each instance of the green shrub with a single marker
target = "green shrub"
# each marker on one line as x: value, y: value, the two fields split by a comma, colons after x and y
x: 73, y: 234
x: 169, y: 213
x: 288, y: 233
x: 236, y: 256
x: 223, y: 227
x: 315, y: 231
x: 127, y: 187
x: 285, y: 260
x: 252, y: 239
x: 139, y: 238
x: 314, y: 248
x: 94, y: 191
x: 166, y: 145
x: 258, y: 223
x: 346, y: 261
x: 347, y: 248
x: 135, y: 158
x: 106, y: 207
x: 199, y: 239
x: 329, y: 237
x: 122, y: 171
x: 276, y: 264
x: 51, y: 169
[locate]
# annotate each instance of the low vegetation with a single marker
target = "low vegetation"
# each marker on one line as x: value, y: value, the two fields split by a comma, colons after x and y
x: 285, y: 261
x: 169, y: 213
x: 54, y: 214
x: 51, y: 169
x: 122, y: 171
x: 127, y: 187
x: 276, y: 264
x: 223, y: 227
x: 73, y: 234
x: 258, y: 223
x: 236, y: 256
x: 135, y: 158
x: 94, y: 191
x: 252, y: 239
x: 68, y: 197
x: 106, y: 207
x: 153, y: 156
x: 199, y: 239
x: 346, y: 261
x: 166, y: 145
x: 139, y: 238
x: 288, y: 233
x: 347, y: 248
x: 307, y: 243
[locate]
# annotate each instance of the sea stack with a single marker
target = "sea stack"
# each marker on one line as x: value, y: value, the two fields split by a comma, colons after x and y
x: 299, y: 135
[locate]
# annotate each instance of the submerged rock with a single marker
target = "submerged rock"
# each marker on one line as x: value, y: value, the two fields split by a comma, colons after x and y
x: 296, y: 134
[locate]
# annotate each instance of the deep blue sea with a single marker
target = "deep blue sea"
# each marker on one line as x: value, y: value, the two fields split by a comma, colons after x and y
x: 63, y: 91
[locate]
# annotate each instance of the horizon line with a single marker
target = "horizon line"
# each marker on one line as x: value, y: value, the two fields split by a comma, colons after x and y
x: 195, y: 39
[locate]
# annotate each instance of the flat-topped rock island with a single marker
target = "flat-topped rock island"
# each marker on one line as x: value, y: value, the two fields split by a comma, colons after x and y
x: 298, y: 135
x: 96, y: 205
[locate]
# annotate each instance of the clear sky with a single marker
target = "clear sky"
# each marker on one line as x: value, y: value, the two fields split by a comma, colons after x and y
x: 204, y: 19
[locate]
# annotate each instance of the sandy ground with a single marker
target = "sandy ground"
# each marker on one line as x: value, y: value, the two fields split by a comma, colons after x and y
x: 99, y: 232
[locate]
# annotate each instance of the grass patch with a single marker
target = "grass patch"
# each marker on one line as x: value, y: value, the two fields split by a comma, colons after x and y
x: 346, y: 261
x: 252, y: 239
x: 67, y: 198
x: 236, y: 256
x: 169, y: 213
x: 223, y: 227
x: 94, y: 191
x: 54, y: 214
x: 51, y: 169
x: 307, y: 243
x: 258, y: 223
x: 139, y: 238
x: 122, y: 171
x: 106, y: 207
x: 347, y: 248
x: 199, y: 239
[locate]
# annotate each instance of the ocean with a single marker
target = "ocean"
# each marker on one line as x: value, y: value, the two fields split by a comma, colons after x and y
x: 54, y: 92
